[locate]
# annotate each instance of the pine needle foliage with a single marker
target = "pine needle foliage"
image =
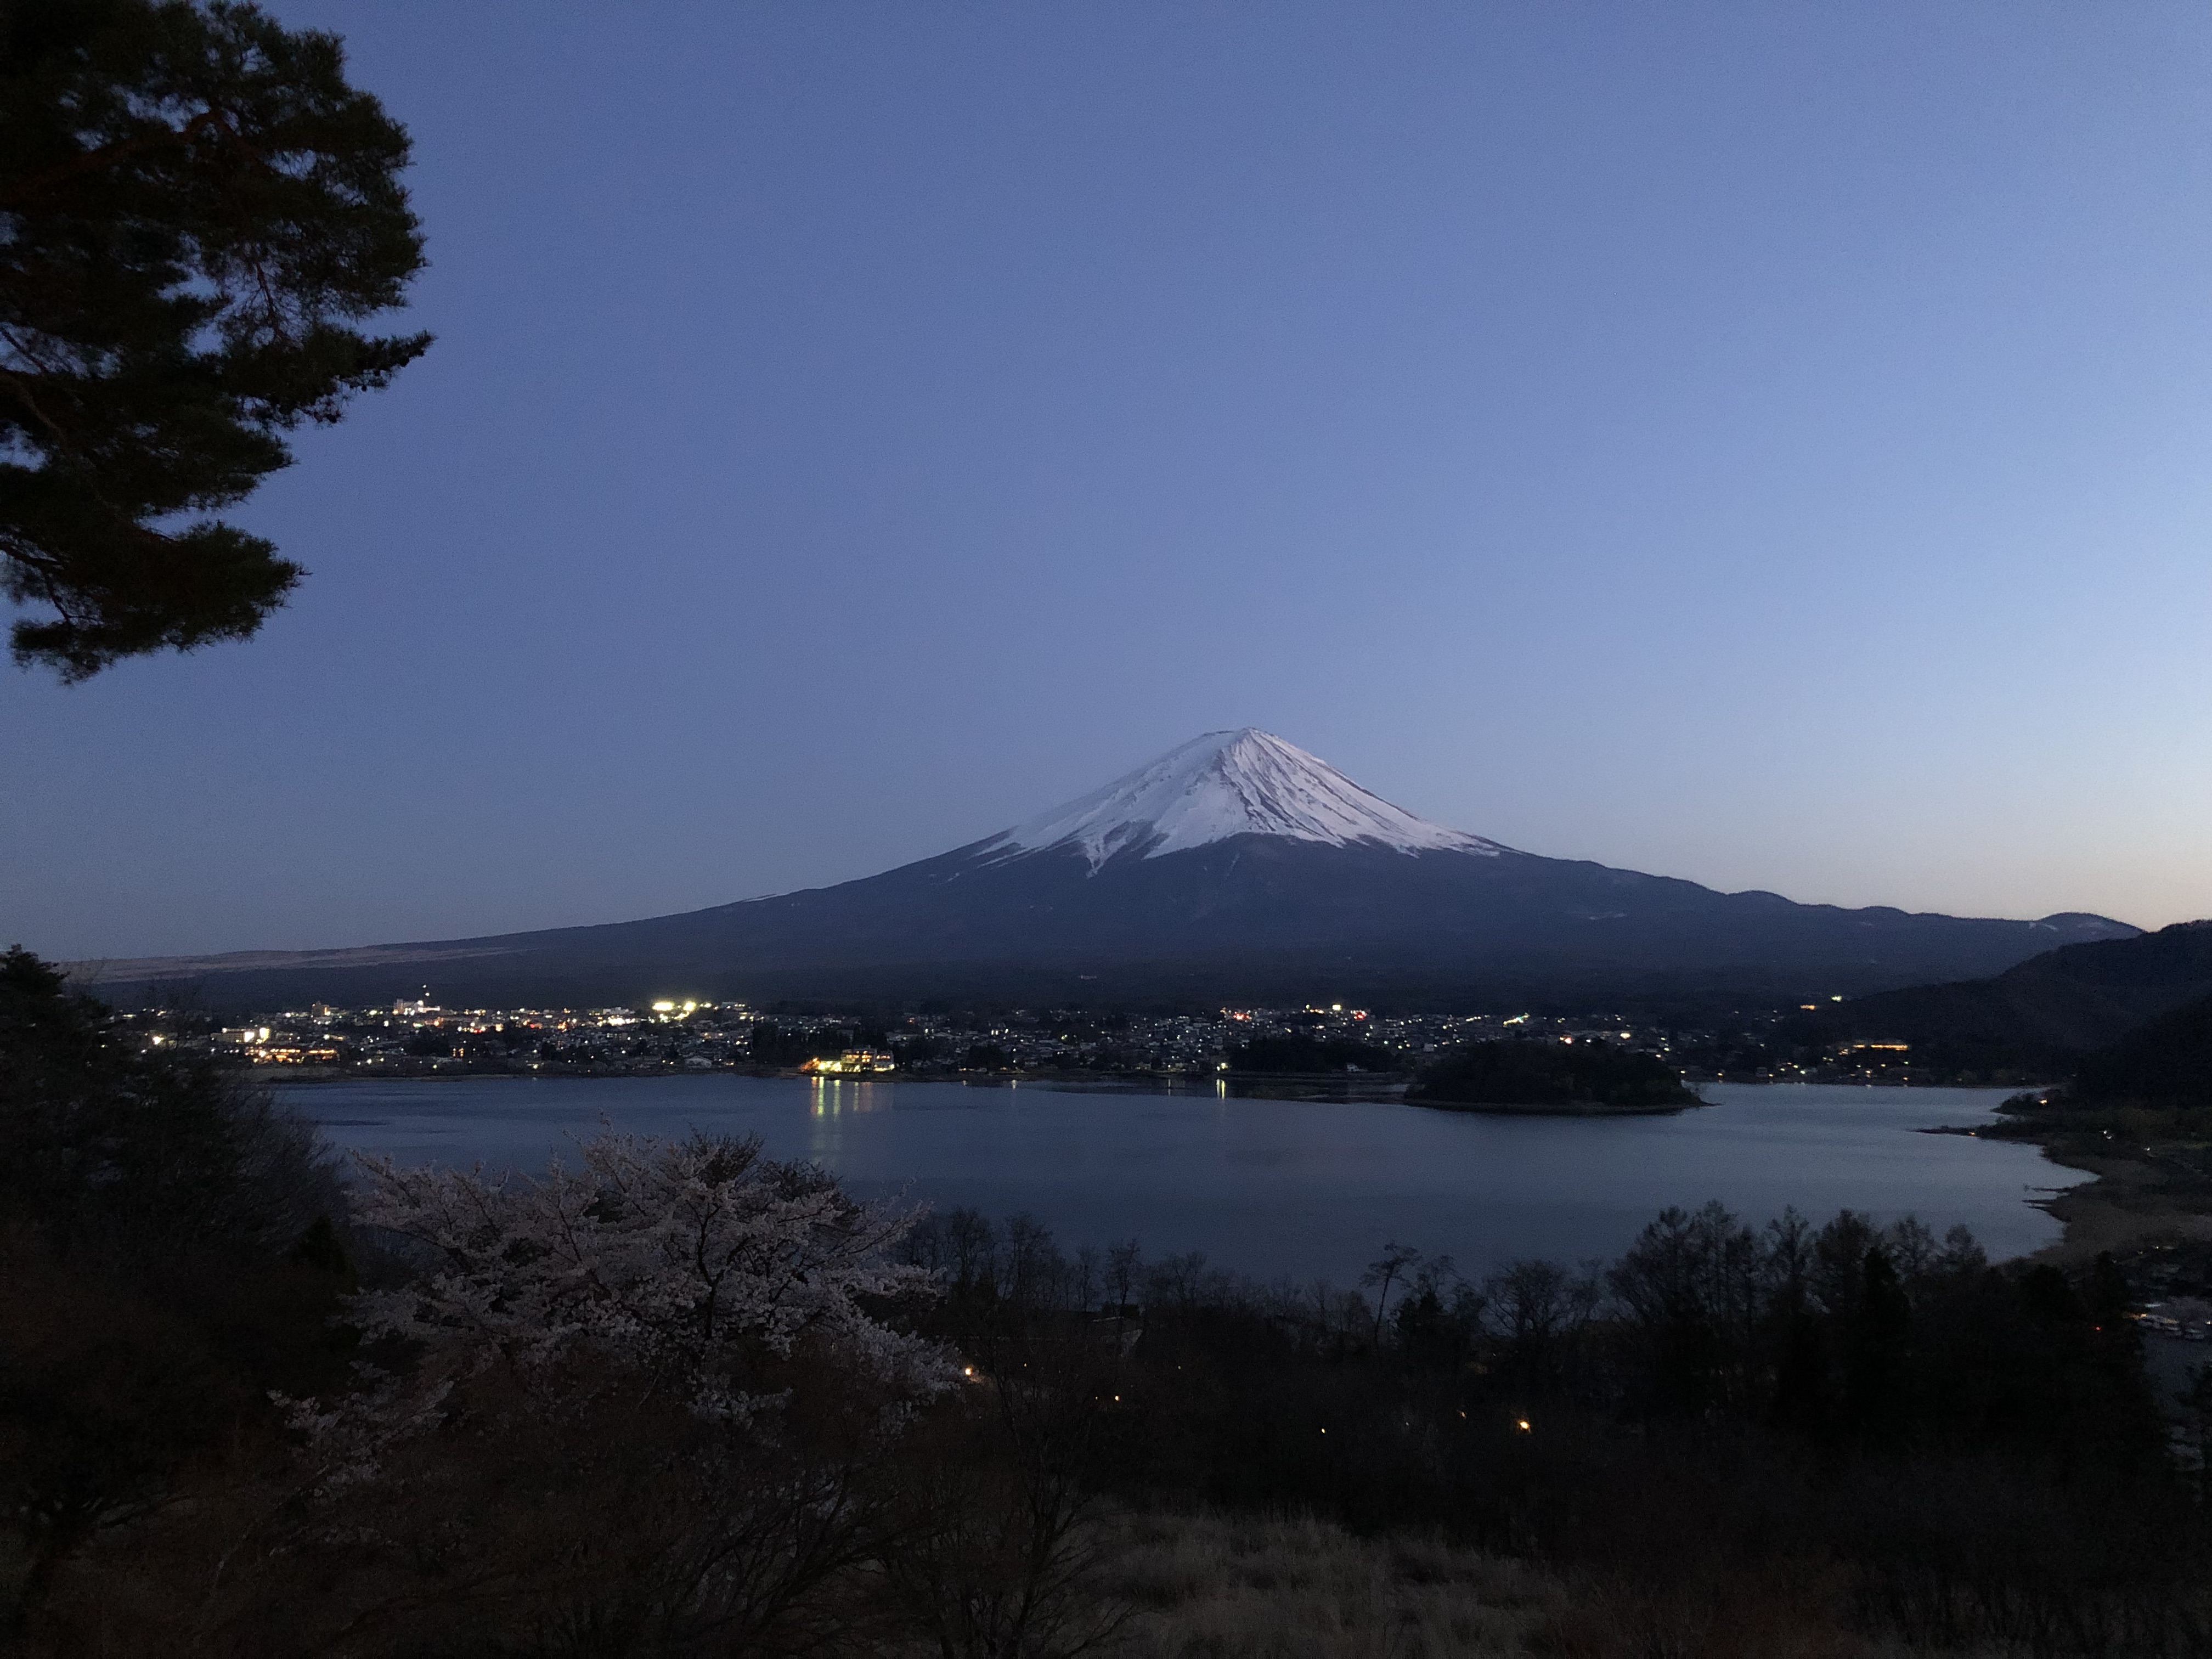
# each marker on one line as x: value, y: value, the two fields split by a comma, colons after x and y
x: 195, y: 212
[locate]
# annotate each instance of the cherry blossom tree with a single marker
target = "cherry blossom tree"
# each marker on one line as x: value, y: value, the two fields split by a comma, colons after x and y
x: 660, y: 1389
x: 700, y: 1263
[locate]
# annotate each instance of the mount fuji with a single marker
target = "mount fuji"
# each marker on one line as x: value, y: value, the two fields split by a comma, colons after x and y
x: 1236, y: 868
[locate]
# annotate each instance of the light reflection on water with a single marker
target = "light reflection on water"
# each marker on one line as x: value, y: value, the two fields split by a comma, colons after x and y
x: 833, y: 1096
x: 1307, y: 1187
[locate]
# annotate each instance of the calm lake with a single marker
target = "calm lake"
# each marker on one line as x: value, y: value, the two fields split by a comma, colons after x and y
x: 1308, y: 1188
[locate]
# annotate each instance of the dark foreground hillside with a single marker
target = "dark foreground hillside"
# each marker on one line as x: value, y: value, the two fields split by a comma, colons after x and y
x: 683, y: 1400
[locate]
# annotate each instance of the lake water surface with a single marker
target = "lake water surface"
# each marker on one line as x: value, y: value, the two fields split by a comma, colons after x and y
x: 1309, y: 1188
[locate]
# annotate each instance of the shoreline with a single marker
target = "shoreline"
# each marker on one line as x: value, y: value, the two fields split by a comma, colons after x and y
x: 2141, y: 1198
x: 2129, y: 1206
x: 1371, y: 1087
x: 1567, y: 1108
x: 1381, y: 1088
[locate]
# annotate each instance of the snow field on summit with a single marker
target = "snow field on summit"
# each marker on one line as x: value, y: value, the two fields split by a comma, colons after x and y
x: 1229, y: 783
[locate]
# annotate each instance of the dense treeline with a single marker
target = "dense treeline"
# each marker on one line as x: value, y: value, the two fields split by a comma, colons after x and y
x: 1745, y: 1436
x: 684, y: 1400
x: 167, y: 1257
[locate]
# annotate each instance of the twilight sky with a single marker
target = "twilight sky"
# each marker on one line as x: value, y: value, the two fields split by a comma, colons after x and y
x: 1761, y: 443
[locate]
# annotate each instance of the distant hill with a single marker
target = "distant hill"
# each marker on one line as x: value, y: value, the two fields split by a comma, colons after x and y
x: 1236, y: 867
x: 2047, y: 1013
x: 2165, y: 1063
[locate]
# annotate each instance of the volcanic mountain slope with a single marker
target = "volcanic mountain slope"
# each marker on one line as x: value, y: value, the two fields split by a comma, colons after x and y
x: 1236, y: 867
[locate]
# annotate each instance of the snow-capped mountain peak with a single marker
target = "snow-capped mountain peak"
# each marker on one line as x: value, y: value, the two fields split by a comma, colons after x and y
x: 1246, y: 783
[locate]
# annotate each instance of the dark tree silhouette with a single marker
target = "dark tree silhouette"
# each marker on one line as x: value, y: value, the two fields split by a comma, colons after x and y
x: 196, y: 210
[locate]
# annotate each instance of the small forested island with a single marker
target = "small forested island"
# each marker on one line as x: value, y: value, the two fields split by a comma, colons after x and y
x: 1586, y: 1076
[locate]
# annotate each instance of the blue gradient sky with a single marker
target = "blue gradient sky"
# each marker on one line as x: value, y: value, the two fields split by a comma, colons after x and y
x: 1762, y: 443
